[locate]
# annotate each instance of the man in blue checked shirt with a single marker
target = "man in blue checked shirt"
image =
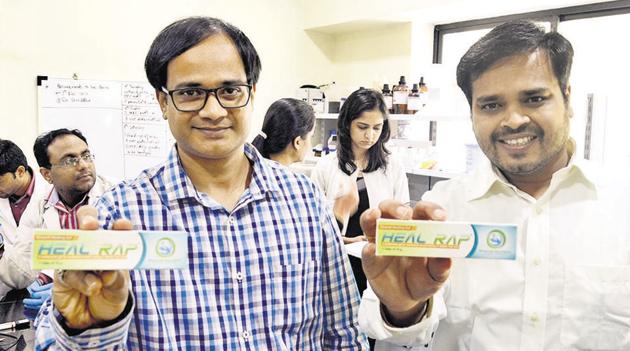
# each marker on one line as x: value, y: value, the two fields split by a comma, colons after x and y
x: 267, y: 270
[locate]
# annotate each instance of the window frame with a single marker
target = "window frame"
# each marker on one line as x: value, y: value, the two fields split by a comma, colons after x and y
x: 552, y: 16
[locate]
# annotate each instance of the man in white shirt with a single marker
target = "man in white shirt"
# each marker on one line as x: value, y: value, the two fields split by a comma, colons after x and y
x: 66, y: 162
x: 569, y: 287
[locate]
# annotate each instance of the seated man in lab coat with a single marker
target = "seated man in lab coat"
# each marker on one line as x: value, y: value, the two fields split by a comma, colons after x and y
x: 66, y: 162
x: 569, y: 286
x: 18, y: 185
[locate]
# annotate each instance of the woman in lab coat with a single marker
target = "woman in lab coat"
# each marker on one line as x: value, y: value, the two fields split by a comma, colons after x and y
x: 362, y: 173
x: 286, y: 132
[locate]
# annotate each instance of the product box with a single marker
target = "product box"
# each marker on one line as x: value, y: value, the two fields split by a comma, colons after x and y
x: 109, y: 249
x: 445, y: 239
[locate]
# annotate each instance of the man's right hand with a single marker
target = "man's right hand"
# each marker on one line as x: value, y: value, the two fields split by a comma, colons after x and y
x: 402, y: 284
x: 86, y: 298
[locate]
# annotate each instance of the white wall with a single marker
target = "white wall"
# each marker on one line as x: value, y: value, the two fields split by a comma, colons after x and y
x: 371, y: 58
x: 109, y: 40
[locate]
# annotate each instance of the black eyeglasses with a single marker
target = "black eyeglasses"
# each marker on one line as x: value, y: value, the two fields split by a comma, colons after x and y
x: 73, y: 161
x: 195, y: 99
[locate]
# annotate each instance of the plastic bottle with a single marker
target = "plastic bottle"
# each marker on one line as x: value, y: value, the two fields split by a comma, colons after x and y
x: 413, y: 101
x: 331, y: 144
x: 388, y: 96
x: 401, y: 92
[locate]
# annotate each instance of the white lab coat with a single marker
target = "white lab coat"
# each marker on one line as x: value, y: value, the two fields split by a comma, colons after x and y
x: 8, y: 227
x: 15, y: 264
x: 390, y: 183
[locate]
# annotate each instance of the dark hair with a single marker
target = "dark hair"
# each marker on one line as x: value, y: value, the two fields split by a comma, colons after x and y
x: 358, y: 102
x: 11, y: 157
x: 285, y: 120
x: 181, y: 35
x: 40, y: 148
x: 509, y: 39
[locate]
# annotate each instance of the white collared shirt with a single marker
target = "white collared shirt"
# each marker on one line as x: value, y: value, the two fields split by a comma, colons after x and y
x: 569, y: 287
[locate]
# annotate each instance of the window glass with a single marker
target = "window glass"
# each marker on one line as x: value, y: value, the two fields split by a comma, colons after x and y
x: 600, y: 69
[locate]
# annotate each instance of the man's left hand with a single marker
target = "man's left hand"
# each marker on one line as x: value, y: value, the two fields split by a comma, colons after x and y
x: 39, y: 295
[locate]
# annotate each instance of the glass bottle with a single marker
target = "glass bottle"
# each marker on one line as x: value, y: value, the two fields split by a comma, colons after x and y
x: 388, y: 97
x: 401, y: 93
x: 413, y: 101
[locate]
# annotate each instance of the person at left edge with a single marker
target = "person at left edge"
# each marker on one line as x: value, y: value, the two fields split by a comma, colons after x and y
x: 267, y: 269
x: 18, y: 185
x: 65, y: 161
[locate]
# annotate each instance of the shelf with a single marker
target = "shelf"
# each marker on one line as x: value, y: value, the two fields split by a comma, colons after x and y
x: 432, y: 173
x: 326, y: 115
x: 394, y: 117
x: 347, y: 27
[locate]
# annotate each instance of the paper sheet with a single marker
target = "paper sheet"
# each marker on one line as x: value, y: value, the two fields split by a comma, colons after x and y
x: 355, y: 249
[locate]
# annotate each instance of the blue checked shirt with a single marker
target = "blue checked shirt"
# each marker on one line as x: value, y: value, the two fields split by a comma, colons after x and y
x: 272, y: 274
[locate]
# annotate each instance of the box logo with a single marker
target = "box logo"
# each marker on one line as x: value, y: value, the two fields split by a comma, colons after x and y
x: 496, y: 239
x: 165, y: 247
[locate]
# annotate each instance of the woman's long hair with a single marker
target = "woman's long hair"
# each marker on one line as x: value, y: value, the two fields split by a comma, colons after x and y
x: 285, y: 120
x: 358, y: 102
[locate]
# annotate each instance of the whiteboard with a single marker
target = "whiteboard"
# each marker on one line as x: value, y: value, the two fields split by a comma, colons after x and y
x: 121, y: 121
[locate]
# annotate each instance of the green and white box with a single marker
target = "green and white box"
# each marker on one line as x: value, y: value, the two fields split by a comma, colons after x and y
x: 419, y: 238
x: 109, y: 249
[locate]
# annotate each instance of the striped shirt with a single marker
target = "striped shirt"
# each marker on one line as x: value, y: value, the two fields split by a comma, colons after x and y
x: 271, y: 274
x: 67, y: 217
